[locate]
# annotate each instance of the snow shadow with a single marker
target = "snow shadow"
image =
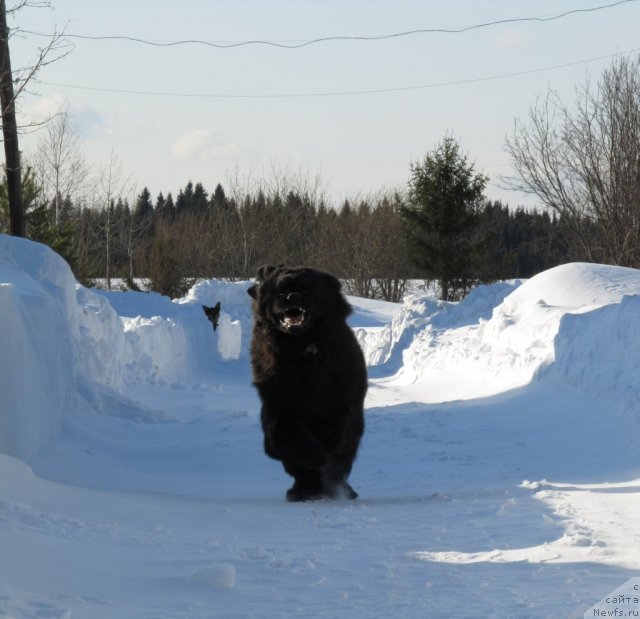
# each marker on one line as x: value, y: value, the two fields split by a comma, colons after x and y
x: 453, y: 481
x: 519, y: 590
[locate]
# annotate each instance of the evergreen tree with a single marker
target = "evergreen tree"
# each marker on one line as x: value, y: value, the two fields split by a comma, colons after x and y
x: 219, y: 199
x: 40, y: 225
x: 445, y: 196
x: 165, y: 207
x: 200, y: 198
x: 144, y: 206
x: 184, y: 200
x: 65, y: 213
x: 345, y: 211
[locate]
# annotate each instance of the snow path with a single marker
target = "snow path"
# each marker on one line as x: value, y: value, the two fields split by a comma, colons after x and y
x: 129, y: 511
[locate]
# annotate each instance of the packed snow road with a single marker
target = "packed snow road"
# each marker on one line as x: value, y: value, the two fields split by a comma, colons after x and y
x: 499, y: 474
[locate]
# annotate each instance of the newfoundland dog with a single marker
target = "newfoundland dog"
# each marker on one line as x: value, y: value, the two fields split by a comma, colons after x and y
x: 311, y: 377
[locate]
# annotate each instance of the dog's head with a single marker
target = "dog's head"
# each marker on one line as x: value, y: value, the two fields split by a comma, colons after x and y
x: 213, y: 314
x: 293, y: 300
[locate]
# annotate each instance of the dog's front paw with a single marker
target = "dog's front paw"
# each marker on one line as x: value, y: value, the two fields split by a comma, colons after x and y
x: 298, y: 493
x: 341, y: 490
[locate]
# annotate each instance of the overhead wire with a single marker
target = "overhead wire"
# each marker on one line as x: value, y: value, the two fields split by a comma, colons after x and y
x: 339, y: 93
x: 298, y: 45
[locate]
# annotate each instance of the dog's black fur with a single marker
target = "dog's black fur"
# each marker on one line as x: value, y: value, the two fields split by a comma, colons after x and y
x: 311, y: 376
x: 213, y: 314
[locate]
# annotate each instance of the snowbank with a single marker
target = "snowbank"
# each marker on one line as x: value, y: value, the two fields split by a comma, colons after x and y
x: 37, y: 333
x: 61, y: 344
x: 597, y: 352
x: 423, y: 313
x: 63, y: 347
x: 569, y: 322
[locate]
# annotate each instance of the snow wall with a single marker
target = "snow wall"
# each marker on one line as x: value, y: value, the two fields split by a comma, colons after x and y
x: 61, y: 343
x: 578, y: 324
x: 63, y: 346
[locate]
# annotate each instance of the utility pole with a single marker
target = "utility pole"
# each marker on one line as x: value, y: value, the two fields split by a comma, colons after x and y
x: 10, y: 131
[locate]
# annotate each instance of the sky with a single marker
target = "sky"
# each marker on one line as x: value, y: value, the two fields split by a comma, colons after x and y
x: 238, y: 115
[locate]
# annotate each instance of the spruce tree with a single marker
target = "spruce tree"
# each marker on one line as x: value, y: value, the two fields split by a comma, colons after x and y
x: 200, y: 199
x: 40, y: 224
x: 144, y: 206
x: 444, y: 199
x: 219, y: 199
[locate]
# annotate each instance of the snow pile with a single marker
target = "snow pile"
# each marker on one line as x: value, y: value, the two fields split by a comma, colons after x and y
x: 423, y: 312
x: 597, y: 352
x: 61, y: 343
x: 38, y: 328
x: 574, y: 320
x: 172, y: 342
x: 235, y: 316
x: 219, y: 575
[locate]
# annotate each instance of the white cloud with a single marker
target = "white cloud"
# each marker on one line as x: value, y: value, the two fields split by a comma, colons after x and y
x: 44, y: 108
x: 202, y: 145
x: 511, y: 39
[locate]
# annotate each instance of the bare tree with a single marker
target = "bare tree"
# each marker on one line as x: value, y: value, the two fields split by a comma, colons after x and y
x: 284, y: 178
x: 242, y: 188
x: 584, y: 162
x: 112, y: 183
x: 55, y: 48
x: 370, y: 253
x: 59, y: 163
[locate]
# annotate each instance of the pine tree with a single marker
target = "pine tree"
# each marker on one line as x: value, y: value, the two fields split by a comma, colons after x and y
x: 184, y: 200
x: 219, y: 199
x: 144, y: 206
x: 40, y: 225
x: 445, y: 196
x: 200, y: 199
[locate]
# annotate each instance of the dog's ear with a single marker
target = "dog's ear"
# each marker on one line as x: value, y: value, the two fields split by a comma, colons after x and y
x: 253, y: 291
x: 330, y: 282
x: 340, y: 306
x: 264, y: 272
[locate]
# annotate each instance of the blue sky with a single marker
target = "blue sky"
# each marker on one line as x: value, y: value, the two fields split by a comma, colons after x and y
x: 358, y: 143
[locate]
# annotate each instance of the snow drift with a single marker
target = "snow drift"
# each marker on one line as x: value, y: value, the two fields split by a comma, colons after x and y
x: 38, y: 327
x: 61, y: 344
x: 64, y: 347
x: 577, y: 322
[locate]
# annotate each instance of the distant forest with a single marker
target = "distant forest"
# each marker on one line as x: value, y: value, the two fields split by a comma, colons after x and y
x: 173, y: 241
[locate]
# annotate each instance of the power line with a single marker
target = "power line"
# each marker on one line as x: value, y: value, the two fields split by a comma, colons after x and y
x: 339, y: 93
x: 298, y: 45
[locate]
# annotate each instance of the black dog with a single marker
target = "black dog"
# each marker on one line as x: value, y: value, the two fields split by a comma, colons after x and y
x: 311, y: 376
x: 213, y: 314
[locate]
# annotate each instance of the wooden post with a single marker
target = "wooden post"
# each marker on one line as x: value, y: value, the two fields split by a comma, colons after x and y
x: 10, y: 131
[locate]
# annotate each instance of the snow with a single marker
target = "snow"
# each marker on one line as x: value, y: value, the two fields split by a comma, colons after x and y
x: 499, y: 473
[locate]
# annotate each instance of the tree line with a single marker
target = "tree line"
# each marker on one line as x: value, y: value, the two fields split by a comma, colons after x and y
x: 173, y: 241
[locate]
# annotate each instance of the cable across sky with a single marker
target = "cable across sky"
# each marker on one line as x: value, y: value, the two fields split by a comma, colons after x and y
x: 339, y: 93
x: 326, y: 39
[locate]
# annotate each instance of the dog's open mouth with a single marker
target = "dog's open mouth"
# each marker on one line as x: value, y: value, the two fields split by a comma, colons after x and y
x: 293, y: 317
